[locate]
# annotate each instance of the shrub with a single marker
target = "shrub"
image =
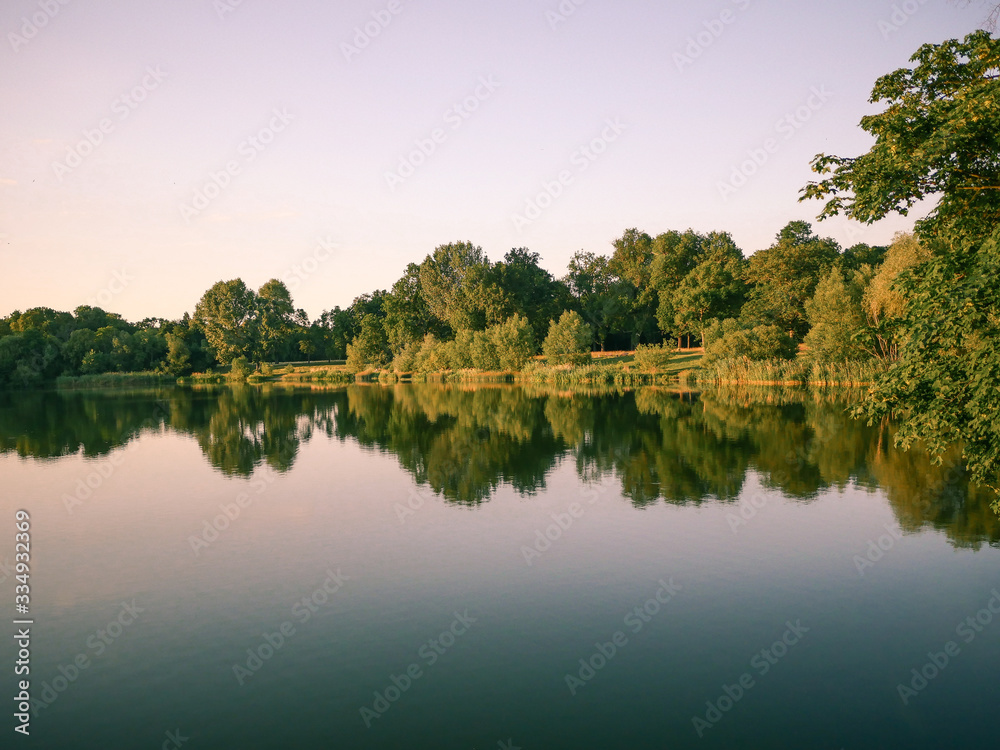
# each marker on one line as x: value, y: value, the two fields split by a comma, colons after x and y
x: 514, y: 342
x: 653, y: 357
x: 239, y: 370
x: 370, y: 348
x: 483, y: 351
x: 406, y: 359
x: 568, y: 341
x: 764, y: 342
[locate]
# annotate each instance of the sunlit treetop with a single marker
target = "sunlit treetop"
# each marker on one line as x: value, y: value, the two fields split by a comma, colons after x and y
x: 938, y: 136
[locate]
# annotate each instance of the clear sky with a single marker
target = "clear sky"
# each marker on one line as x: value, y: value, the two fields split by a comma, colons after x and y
x: 232, y: 137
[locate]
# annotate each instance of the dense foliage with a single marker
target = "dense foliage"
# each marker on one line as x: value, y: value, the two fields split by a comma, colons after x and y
x: 936, y: 307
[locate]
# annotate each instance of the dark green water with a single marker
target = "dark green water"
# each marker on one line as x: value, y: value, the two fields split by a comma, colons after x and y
x: 369, y: 568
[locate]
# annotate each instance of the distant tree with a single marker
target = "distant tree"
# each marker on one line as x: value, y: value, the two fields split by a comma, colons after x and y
x: 456, y: 286
x: 631, y: 263
x: 675, y: 255
x: 370, y: 348
x: 883, y: 303
x: 514, y: 342
x: 529, y: 290
x: 408, y: 317
x: 178, y: 360
x: 836, y: 318
x: 714, y: 288
x: 227, y: 314
x: 308, y: 348
x: 730, y: 339
x: 862, y: 255
x: 568, y: 340
x: 594, y: 289
x: 276, y: 319
x: 785, y: 275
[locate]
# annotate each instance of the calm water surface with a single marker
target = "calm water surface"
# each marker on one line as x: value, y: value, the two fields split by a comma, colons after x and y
x: 443, y: 567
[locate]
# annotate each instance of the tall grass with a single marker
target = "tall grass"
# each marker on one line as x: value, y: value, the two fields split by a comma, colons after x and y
x: 789, y: 372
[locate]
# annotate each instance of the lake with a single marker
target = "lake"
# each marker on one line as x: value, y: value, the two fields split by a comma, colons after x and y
x: 427, y: 566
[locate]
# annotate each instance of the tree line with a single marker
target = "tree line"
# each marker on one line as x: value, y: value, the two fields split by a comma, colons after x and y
x: 674, y: 287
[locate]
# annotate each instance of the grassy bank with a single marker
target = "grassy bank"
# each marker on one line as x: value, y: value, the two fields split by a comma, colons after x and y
x: 647, y: 366
x: 789, y: 372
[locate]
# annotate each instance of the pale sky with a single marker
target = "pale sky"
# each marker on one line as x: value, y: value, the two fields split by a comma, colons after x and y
x: 385, y: 128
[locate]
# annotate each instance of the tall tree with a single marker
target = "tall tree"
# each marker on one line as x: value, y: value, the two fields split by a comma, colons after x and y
x: 276, y: 318
x: 631, y: 263
x: 530, y: 290
x: 713, y: 289
x: 227, y: 313
x: 675, y: 255
x: 408, y: 317
x: 937, y: 137
x: 592, y: 285
x: 785, y: 275
x: 456, y: 284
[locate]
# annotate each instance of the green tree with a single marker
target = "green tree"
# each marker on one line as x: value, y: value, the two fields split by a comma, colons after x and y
x: 675, y: 255
x: 275, y: 319
x: 631, y: 263
x: 836, y: 318
x: 568, y: 340
x: 456, y: 285
x: 593, y: 287
x: 227, y: 314
x: 785, y: 275
x: 370, y: 348
x: 408, y: 317
x: 937, y: 137
x: 730, y: 339
x: 178, y: 356
x: 529, y: 289
x: 713, y: 289
x: 884, y: 304
x: 514, y: 342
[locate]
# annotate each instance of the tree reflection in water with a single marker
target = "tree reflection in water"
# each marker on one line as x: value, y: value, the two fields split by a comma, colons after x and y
x: 466, y: 441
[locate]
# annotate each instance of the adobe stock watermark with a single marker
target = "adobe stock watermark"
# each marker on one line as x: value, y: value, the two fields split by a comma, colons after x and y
x: 937, y: 662
x: 6, y: 569
x: 249, y: 149
x: 98, y: 642
x: 581, y: 159
x: 302, y: 611
x: 173, y: 740
x: 428, y: 654
x: 635, y: 620
x: 562, y: 12
x: 117, y: 284
x: 121, y: 107
x: 414, y: 502
x: 876, y: 549
x: 212, y: 529
x: 224, y: 7
x: 368, y: 31
x: 761, y: 662
x: 714, y: 28
x: 87, y: 485
x: 454, y: 117
x: 31, y: 26
x: 900, y: 16
x: 786, y: 127
x: 295, y: 276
